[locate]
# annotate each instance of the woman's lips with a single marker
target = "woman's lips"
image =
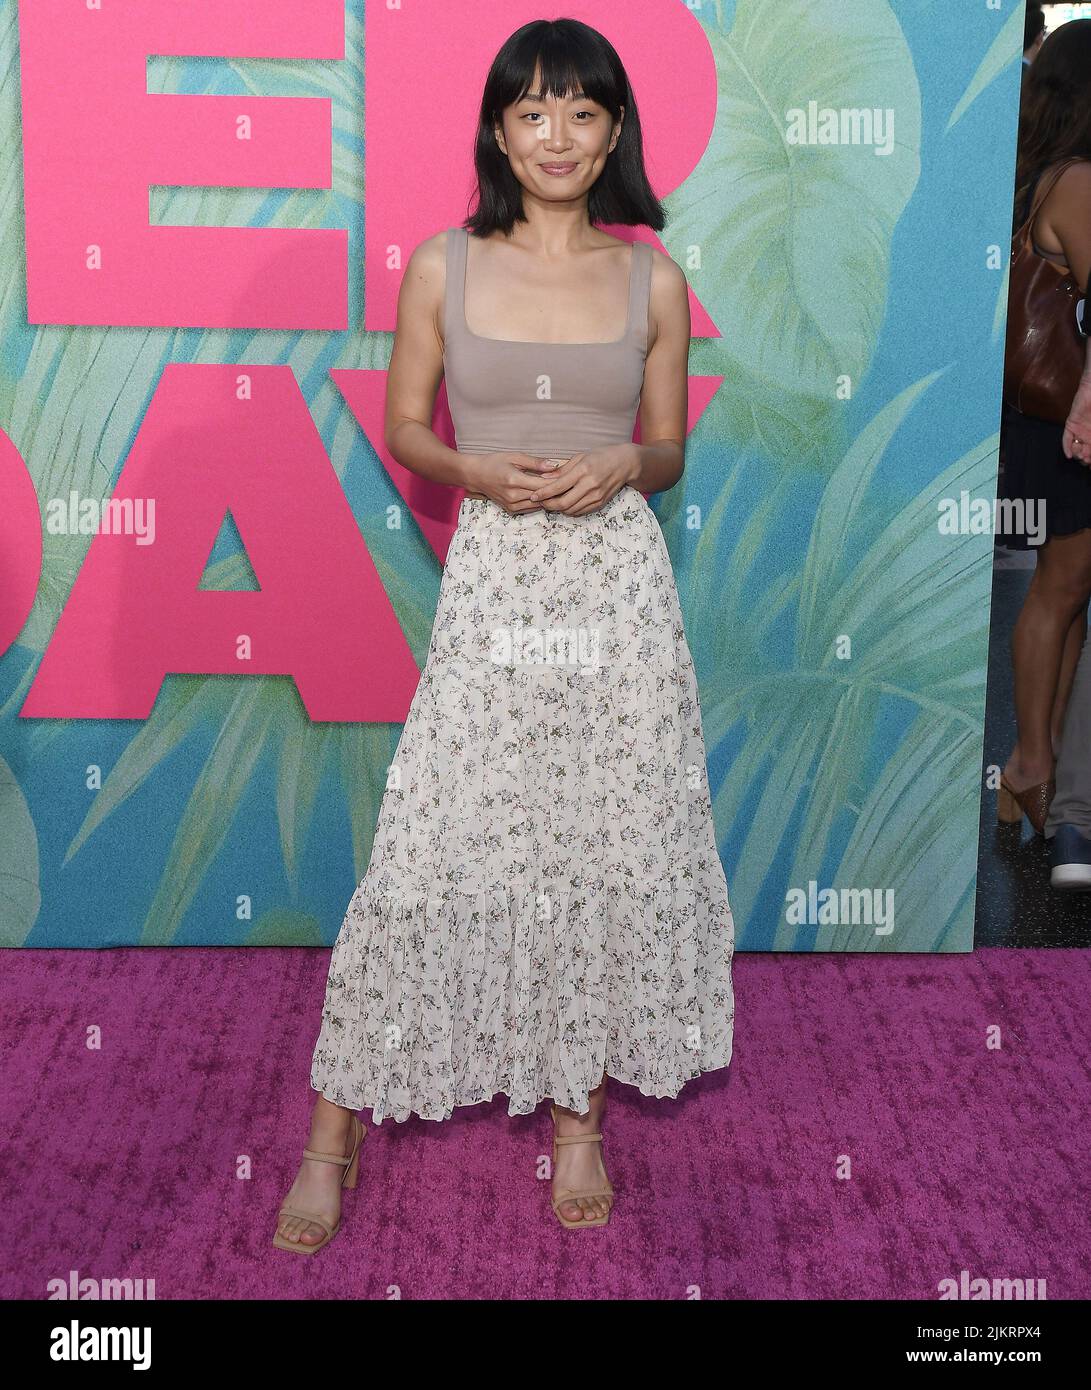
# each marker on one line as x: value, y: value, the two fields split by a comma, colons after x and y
x: 558, y: 170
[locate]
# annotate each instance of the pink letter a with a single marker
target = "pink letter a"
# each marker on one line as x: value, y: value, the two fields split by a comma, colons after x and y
x: 219, y: 438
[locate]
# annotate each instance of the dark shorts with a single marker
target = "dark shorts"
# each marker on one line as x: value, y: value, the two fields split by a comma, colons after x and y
x: 1034, y: 466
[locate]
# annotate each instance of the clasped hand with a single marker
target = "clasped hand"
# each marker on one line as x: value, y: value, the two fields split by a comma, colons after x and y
x: 577, y: 485
x: 1076, y: 438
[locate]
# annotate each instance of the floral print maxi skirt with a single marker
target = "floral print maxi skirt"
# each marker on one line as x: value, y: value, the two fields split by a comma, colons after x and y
x: 545, y: 901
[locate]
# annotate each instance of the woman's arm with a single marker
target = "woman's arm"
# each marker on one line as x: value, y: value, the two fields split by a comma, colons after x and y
x: 1069, y: 218
x: 658, y: 461
x: 416, y: 370
x: 1067, y: 214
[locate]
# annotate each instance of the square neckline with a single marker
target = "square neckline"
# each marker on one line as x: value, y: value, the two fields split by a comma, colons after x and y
x: 460, y: 299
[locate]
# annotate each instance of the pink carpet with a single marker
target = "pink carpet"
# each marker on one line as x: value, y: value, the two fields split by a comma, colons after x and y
x: 128, y: 1159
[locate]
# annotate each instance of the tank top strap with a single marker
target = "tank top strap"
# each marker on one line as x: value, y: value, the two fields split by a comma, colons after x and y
x: 455, y: 287
x: 640, y: 284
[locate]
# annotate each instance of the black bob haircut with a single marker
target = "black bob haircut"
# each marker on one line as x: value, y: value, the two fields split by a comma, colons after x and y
x: 573, y: 58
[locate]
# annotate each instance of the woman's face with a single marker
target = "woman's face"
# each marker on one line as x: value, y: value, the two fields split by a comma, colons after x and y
x: 557, y: 146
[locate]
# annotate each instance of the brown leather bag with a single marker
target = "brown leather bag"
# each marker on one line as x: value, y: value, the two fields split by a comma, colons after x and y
x: 1044, y: 353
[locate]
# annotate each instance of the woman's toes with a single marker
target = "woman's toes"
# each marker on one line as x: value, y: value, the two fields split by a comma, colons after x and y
x: 295, y: 1229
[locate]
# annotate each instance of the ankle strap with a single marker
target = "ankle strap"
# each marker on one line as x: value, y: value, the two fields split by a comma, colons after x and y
x: 327, y: 1158
x: 577, y: 1138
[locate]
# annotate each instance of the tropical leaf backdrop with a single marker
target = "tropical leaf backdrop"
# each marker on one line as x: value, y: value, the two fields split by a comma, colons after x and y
x: 861, y: 321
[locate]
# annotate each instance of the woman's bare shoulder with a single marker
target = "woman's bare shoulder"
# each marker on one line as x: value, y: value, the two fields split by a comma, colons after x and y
x: 669, y: 283
x: 424, y: 282
x: 1074, y: 184
x: 1064, y: 225
x: 668, y: 296
x: 664, y: 265
x: 1069, y: 199
x: 429, y: 258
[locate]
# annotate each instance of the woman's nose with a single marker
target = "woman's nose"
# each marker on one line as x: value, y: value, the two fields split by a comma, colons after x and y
x: 556, y: 134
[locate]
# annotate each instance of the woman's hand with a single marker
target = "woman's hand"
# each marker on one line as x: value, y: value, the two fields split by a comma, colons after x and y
x: 586, y: 482
x: 508, y: 479
x: 1076, y: 440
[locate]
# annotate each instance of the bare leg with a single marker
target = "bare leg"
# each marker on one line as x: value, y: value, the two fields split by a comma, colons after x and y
x: 580, y: 1166
x: 317, y: 1186
x: 1057, y: 595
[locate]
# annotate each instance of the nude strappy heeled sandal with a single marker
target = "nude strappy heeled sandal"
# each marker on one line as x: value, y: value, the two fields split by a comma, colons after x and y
x: 348, y: 1179
x: 567, y: 1196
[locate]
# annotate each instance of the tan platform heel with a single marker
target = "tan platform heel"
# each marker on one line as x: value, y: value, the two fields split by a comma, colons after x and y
x: 567, y: 1196
x: 1032, y: 802
x: 348, y: 1179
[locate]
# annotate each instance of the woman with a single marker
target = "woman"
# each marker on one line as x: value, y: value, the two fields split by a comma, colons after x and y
x: 1045, y: 461
x: 545, y: 903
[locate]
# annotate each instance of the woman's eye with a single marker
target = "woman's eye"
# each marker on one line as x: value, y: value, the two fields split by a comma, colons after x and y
x: 589, y: 114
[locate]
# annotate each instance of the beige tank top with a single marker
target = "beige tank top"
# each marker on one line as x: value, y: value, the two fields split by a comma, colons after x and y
x: 550, y: 400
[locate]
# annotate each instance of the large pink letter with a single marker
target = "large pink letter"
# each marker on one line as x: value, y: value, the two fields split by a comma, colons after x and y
x: 95, y: 139
x: 216, y: 439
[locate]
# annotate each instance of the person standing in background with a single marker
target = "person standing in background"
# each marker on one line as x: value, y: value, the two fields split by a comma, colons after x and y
x: 1034, y: 32
x: 1045, y: 461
